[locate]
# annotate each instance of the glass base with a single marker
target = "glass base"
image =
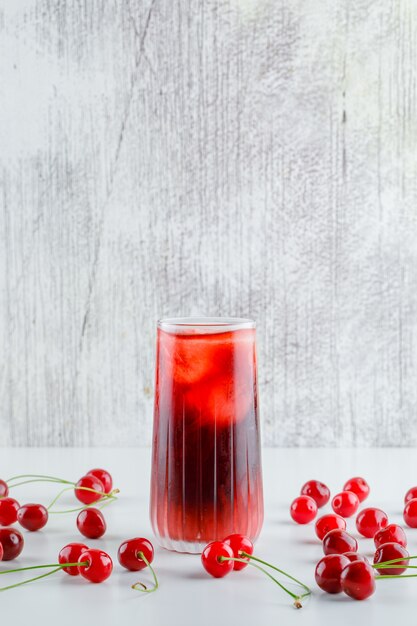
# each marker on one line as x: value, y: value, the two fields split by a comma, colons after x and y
x: 181, y: 546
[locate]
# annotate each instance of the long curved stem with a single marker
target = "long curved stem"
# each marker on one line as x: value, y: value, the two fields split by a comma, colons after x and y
x: 57, y: 567
x: 297, y: 598
x: 43, y: 476
x: 38, y: 480
x: 141, y: 586
x: 280, y: 571
x: 29, y: 580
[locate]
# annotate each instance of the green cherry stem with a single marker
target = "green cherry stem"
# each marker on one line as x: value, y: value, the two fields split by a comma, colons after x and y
x: 38, y: 477
x: 141, y: 586
x: 39, y: 480
x: 56, y: 566
x: 280, y: 571
x: 297, y: 598
x: 404, y: 558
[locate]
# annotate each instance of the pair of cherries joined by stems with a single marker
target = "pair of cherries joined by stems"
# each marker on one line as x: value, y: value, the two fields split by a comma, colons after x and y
x: 235, y: 552
x: 95, y: 486
x: 76, y: 558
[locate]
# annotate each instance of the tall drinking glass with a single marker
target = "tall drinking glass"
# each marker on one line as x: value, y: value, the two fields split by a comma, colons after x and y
x: 206, y: 464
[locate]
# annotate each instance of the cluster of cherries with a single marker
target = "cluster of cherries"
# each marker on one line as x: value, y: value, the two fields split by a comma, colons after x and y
x: 235, y: 552
x: 342, y: 568
x: 96, y: 485
x: 74, y: 558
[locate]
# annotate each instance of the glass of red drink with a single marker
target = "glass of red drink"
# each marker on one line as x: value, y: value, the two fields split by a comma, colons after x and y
x: 206, y: 464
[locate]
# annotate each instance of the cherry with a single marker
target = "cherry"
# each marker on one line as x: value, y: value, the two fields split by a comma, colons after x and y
x: 339, y: 541
x: 94, y: 565
x: 92, y: 489
x: 12, y: 543
x: 91, y: 523
x: 32, y: 516
x: 370, y: 521
x: 359, y: 486
x: 210, y: 558
x: 4, y: 489
x: 303, y: 509
x: 241, y: 546
x: 329, y: 522
x: 131, y: 552
x: 390, y: 551
x: 410, y: 513
x: 136, y: 554
x: 71, y: 554
x: 316, y: 490
x: 391, y: 533
x: 8, y: 511
x: 104, y: 477
x: 410, y: 495
x: 357, y: 580
x: 328, y: 571
x: 345, y: 503
x: 99, y: 567
x: 354, y: 556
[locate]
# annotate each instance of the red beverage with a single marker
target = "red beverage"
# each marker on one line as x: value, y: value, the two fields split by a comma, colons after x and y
x: 206, y: 465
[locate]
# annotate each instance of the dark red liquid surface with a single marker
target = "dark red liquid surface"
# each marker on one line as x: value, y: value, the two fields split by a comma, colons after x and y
x: 206, y: 467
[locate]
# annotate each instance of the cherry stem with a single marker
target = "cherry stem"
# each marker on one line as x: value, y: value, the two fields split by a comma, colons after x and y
x: 57, y: 566
x: 297, y: 598
x: 403, y: 558
x: 141, y: 586
x: 38, y: 478
x: 280, y: 571
x: 104, y: 496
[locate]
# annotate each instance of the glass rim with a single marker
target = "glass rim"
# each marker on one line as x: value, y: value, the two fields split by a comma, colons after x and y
x: 222, y: 324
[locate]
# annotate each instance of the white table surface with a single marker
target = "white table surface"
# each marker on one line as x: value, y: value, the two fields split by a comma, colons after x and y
x: 187, y: 595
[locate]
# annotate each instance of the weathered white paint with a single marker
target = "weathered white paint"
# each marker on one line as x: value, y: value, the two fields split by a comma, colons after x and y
x: 208, y: 157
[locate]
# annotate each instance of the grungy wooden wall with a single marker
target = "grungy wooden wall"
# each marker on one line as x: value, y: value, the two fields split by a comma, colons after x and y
x: 234, y: 157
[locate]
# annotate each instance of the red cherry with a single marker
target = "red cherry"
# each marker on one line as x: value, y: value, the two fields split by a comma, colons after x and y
x: 359, y: 486
x: 128, y: 553
x: 91, y: 523
x: 32, y: 516
x: 328, y: 570
x: 12, y: 543
x: 370, y: 521
x: 8, y: 511
x: 99, y: 566
x: 210, y: 558
x: 388, y: 552
x: 104, y: 476
x: 345, y: 503
x: 316, y: 490
x: 239, y: 543
x: 89, y: 482
x: 354, y: 556
x: 4, y: 489
x: 329, y: 522
x: 391, y: 533
x: 71, y: 554
x: 410, y: 513
x: 303, y: 509
x: 410, y: 495
x: 357, y: 580
x: 338, y: 541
